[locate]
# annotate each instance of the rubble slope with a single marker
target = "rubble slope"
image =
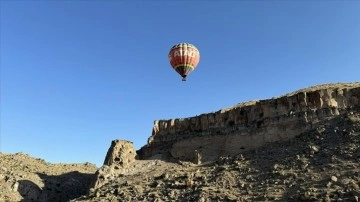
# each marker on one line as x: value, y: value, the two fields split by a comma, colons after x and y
x: 322, y: 164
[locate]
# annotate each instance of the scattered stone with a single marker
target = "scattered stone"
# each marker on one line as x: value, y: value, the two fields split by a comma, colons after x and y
x: 315, y: 148
x: 15, y: 186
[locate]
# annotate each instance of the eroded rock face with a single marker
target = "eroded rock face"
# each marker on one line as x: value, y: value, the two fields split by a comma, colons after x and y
x: 119, y: 157
x: 249, y: 125
x: 121, y: 153
x: 321, y: 164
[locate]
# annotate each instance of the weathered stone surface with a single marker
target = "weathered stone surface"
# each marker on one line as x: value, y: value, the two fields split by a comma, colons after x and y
x: 119, y: 157
x: 121, y: 153
x: 249, y: 125
x: 321, y: 164
x: 25, y: 178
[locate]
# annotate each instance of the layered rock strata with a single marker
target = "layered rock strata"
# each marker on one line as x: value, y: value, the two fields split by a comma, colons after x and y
x: 249, y: 125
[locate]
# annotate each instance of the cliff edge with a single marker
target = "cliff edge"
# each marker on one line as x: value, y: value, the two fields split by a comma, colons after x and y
x: 307, y: 149
x: 249, y: 125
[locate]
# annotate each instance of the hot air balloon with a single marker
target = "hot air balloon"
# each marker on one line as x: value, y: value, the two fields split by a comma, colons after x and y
x: 184, y: 58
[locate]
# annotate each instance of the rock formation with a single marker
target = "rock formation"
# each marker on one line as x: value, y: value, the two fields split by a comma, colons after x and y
x: 249, y: 125
x: 321, y: 164
x: 119, y: 157
x: 307, y: 149
x: 121, y: 153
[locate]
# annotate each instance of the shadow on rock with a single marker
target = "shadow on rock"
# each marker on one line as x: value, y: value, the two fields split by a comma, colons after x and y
x: 57, y: 188
x: 29, y: 190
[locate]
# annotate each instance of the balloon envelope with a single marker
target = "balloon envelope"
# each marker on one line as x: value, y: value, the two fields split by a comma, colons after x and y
x: 184, y: 58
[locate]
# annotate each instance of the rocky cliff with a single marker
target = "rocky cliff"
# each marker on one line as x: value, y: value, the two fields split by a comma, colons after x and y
x: 249, y: 125
x: 320, y: 164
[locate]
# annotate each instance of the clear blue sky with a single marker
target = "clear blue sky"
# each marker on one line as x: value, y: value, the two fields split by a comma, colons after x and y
x: 76, y: 75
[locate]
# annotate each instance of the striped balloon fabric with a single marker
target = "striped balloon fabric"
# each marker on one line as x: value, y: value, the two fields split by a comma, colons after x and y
x: 184, y: 57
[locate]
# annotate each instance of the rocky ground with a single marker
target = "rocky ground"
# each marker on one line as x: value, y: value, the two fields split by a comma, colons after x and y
x: 24, y: 178
x: 321, y: 165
